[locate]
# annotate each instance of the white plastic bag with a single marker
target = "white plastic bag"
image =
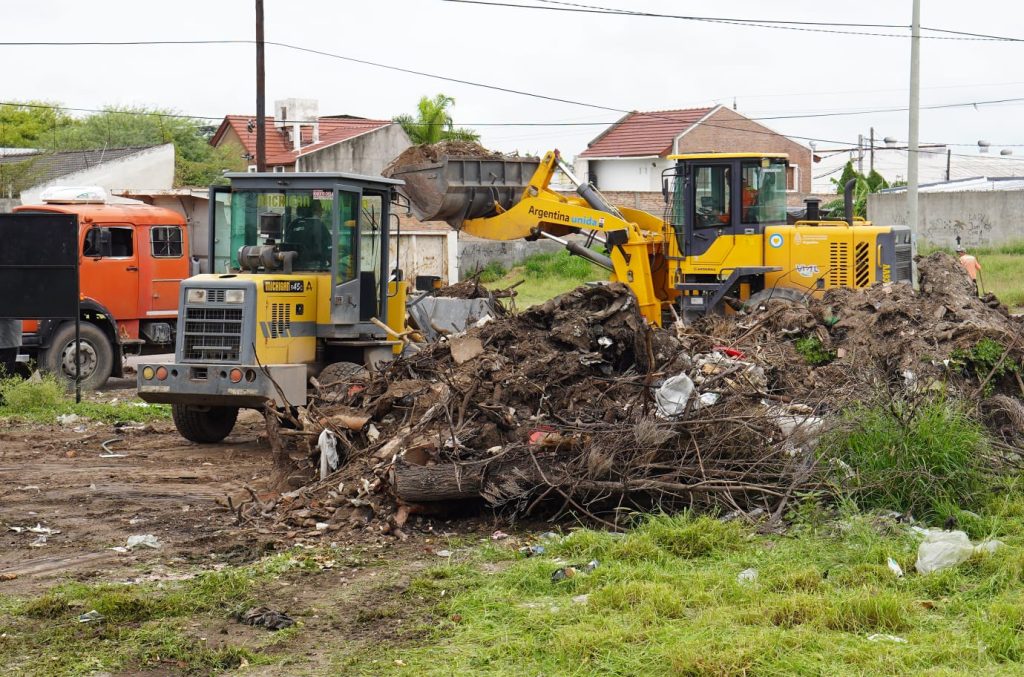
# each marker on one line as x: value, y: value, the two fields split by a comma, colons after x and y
x: 942, y: 549
x: 328, y: 446
x: 673, y: 395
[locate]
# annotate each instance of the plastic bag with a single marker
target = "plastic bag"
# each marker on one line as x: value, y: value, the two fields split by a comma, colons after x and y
x: 942, y: 549
x: 328, y: 446
x: 673, y: 395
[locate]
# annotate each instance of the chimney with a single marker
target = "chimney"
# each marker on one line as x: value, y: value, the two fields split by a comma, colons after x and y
x: 291, y: 115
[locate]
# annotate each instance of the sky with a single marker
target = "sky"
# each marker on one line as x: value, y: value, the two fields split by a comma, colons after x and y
x: 618, y: 62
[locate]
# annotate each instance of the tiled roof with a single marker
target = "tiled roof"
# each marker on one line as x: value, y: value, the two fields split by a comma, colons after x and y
x: 279, y: 147
x: 644, y: 134
x: 49, y: 166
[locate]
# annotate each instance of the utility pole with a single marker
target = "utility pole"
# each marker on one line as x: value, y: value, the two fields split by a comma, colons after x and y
x: 261, y: 104
x: 915, y: 119
x: 872, y: 149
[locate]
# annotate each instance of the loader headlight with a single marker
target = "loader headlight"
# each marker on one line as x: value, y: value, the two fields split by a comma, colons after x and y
x: 196, y: 296
x: 234, y: 296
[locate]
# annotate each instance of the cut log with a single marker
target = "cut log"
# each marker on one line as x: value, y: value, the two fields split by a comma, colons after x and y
x: 443, y: 482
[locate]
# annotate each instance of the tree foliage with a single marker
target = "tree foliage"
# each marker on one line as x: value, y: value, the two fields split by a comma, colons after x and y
x: 864, y: 186
x: 47, y: 128
x: 433, y: 122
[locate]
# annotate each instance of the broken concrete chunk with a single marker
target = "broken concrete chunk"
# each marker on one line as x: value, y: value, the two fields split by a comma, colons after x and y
x: 465, y: 348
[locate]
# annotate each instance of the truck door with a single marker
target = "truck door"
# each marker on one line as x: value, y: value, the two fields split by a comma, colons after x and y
x: 110, y: 268
x: 345, y: 302
x: 710, y: 237
x: 163, y: 266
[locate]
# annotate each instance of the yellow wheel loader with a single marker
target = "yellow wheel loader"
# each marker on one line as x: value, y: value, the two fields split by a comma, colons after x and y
x: 723, y: 241
x: 301, y: 282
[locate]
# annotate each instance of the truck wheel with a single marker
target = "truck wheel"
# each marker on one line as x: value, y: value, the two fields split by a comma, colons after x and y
x: 776, y: 294
x: 96, y: 355
x: 204, y: 424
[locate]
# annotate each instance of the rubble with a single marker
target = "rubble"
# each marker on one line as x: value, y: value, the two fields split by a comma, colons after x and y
x: 578, y: 406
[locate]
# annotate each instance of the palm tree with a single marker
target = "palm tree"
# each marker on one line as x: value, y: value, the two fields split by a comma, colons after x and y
x: 434, y: 123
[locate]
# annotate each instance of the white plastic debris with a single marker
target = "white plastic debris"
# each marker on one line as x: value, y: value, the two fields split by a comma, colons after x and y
x: 39, y: 542
x: 328, y: 445
x: 988, y: 546
x: 673, y: 395
x: 443, y: 553
x: 942, y: 549
x: 40, y: 529
x: 90, y: 617
x: 747, y: 576
x: 68, y: 419
x: 143, y: 541
x: 708, y: 400
x: 483, y: 321
x: 372, y: 434
x: 895, y: 567
x: 605, y: 342
x: 878, y: 637
x: 321, y: 526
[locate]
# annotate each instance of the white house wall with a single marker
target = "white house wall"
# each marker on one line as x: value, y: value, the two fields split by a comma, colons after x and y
x: 152, y: 169
x: 626, y: 174
x: 366, y: 154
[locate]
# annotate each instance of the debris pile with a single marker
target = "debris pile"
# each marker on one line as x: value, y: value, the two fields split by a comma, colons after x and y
x: 428, y: 153
x: 577, y: 405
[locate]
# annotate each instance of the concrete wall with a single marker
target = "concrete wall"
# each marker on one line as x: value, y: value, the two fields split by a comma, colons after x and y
x: 7, y: 204
x: 152, y: 168
x: 475, y: 253
x: 426, y: 253
x: 981, y: 219
x: 365, y: 154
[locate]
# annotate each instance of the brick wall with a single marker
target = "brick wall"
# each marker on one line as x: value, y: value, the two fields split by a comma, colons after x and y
x: 726, y: 131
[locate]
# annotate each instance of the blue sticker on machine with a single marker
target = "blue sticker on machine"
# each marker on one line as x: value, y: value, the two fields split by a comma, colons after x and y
x: 775, y: 240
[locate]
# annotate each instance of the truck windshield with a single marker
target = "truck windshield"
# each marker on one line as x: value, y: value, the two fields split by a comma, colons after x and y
x: 295, y: 220
x: 763, y: 188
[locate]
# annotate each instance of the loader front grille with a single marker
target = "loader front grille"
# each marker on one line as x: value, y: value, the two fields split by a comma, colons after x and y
x: 212, y: 334
x: 904, y: 271
x: 839, y: 264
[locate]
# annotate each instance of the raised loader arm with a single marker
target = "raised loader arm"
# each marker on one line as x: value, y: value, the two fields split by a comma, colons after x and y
x: 630, y: 236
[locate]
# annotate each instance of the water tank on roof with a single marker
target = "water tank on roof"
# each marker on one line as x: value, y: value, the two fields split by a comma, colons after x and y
x: 74, y: 195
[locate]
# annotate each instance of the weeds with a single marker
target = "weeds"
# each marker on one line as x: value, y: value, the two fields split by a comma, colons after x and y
x: 492, y: 272
x: 812, y: 350
x: 986, y: 357
x: 926, y: 459
x: 44, y: 399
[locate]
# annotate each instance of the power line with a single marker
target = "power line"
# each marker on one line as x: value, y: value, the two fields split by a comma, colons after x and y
x: 778, y: 24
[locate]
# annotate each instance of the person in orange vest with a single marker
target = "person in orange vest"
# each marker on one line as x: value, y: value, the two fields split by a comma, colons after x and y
x: 749, y: 197
x: 970, y: 264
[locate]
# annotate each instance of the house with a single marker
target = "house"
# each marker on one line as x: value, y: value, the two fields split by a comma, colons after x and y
x: 936, y: 164
x: 149, y: 167
x: 630, y: 156
x: 300, y: 139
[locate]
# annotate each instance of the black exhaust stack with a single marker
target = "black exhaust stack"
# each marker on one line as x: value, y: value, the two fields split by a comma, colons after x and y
x: 848, y: 200
x: 813, y: 209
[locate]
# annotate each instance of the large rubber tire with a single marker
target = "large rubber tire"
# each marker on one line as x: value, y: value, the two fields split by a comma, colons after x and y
x: 204, y: 425
x: 775, y: 294
x: 96, y: 355
x: 342, y: 371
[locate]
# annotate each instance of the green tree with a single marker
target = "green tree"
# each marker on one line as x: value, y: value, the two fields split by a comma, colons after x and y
x: 32, y: 124
x: 864, y: 186
x: 196, y: 161
x: 433, y: 122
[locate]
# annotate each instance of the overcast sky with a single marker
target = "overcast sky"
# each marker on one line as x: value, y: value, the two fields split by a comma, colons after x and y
x: 630, y: 63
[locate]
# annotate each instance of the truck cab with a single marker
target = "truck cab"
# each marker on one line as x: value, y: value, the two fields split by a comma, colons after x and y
x: 132, y: 259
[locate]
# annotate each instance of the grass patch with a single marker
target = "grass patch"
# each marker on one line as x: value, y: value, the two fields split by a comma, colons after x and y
x: 144, y: 627
x: 665, y: 599
x: 548, y: 274
x: 43, y: 400
x: 924, y: 458
x: 985, y: 358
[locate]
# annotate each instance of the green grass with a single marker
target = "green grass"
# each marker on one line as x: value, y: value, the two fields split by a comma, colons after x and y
x: 665, y: 600
x: 547, y: 275
x: 145, y: 626
x: 813, y: 351
x: 1000, y: 270
x: 43, y: 400
x: 925, y: 458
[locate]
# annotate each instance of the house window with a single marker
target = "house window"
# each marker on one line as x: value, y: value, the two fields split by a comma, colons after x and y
x: 165, y: 242
x: 793, y: 179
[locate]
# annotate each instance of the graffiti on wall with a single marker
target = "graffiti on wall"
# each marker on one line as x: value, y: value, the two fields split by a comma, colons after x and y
x: 970, y: 230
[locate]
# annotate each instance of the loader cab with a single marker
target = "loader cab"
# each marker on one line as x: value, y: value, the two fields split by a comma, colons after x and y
x: 724, y: 195
x: 332, y: 225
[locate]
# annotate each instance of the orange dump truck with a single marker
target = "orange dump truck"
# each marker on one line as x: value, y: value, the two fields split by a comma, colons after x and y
x: 132, y: 259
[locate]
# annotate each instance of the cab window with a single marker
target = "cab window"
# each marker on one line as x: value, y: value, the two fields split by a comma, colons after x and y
x: 165, y: 242
x: 119, y: 242
x: 712, y: 199
x: 763, y: 188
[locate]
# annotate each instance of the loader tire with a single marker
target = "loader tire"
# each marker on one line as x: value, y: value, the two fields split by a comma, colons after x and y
x: 204, y: 425
x: 775, y: 294
x: 96, y: 355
